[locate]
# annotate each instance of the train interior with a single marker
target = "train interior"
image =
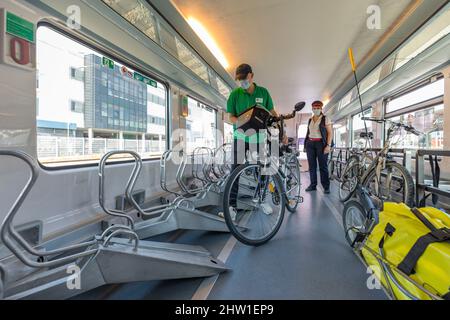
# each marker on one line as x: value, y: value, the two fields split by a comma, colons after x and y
x: 116, y: 138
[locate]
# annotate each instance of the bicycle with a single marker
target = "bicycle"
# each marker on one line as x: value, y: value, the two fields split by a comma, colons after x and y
x: 357, y: 163
x: 383, y: 178
x: 257, y: 194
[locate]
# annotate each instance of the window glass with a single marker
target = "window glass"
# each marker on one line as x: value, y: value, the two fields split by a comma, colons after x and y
x: 228, y: 133
x: 422, y: 94
x: 341, y: 133
x: 223, y: 88
x: 346, y: 100
x: 137, y: 13
x: 436, y: 29
x: 201, y: 126
x: 429, y: 121
x: 371, y: 80
x: 358, y: 128
x: 190, y: 60
x: 79, y: 121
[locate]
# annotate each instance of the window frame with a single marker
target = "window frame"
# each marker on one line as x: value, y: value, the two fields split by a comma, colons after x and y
x: 414, y: 107
x: 97, y: 46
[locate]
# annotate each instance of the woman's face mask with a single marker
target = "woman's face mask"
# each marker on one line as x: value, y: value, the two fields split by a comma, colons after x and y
x: 317, y: 112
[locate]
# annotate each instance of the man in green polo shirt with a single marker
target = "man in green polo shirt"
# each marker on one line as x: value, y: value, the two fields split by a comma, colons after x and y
x: 241, y: 99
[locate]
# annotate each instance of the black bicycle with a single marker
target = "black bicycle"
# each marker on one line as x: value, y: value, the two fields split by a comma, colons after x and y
x: 258, y: 192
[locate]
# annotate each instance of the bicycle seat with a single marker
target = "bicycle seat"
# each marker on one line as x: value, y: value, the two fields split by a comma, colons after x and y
x: 368, y: 135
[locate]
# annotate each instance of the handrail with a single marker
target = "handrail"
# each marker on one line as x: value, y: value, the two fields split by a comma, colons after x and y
x: 8, y: 229
x: 129, y: 186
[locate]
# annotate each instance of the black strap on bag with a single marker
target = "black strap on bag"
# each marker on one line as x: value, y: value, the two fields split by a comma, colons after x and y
x: 435, y: 236
x: 388, y: 231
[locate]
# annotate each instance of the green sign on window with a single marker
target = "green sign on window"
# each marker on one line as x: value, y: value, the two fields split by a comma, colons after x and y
x: 108, y: 63
x: 19, y: 27
x: 144, y: 79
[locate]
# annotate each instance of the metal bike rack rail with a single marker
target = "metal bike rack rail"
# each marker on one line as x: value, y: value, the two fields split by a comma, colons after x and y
x: 421, y: 187
x: 108, y: 259
x: 181, y: 213
x: 8, y: 232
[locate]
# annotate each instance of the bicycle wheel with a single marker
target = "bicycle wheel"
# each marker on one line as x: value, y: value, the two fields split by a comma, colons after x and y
x: 396, y: 185
x: 253, y: 204
x: 293, y: 184
x: 350, y: 161
x: 354, y: 220
x: 349, y: 181
x: 331, y: 167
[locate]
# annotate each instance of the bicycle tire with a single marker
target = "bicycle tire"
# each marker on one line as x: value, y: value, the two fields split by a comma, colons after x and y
x: 409, y: 189
x: 351, y: 190
x: 331, y: 166
x: 352, y: 204
x: 234, y: 230
x: 289, y: 207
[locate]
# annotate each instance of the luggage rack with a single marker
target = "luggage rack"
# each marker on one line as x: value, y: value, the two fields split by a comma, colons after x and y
x: 115, y: 256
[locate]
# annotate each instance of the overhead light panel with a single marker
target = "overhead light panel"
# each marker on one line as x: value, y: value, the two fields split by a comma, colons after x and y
x: 209, y: 41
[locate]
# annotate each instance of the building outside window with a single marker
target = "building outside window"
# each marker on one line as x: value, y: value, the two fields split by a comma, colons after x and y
x: 201, y: 126
x: 228, y: 132
x: 341, y: 133
x: 111, y: 106
x: 359, y: 127
x: 429, y: 121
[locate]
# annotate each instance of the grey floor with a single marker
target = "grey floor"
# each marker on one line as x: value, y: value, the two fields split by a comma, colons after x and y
x: 308, y: 259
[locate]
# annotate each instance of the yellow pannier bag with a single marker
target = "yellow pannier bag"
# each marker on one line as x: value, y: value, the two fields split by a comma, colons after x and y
x: 416, y: 242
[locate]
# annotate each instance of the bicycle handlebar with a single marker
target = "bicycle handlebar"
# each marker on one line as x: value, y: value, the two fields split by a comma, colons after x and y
x: 407, y: 128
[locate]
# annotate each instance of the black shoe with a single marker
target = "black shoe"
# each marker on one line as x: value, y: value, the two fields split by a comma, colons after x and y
x: 311, y: 188
x: 326, y: 191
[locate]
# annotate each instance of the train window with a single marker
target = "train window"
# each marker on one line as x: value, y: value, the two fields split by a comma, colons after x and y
x: 140, y: 14
x: 341, y: 133
x: 435, y: 30
x: 201, y: 126
x: 188, y: 58
x: 90, y: 104
x: 425, y: 93
x: 137, y: 13
x: 429, y: 121
x: 347, y: 99
x: 358, y: 127
x: 223, y: 88
x: 228, y: 133
x: 370, y: 81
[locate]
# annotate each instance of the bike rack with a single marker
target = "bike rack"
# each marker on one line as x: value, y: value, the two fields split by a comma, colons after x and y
x: 107, y: 259
x: 423, y: 189
x: 181, y: 213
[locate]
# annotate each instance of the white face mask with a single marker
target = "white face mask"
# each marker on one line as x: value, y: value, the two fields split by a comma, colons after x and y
x: 317, y: 112
x: 245, y: 84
